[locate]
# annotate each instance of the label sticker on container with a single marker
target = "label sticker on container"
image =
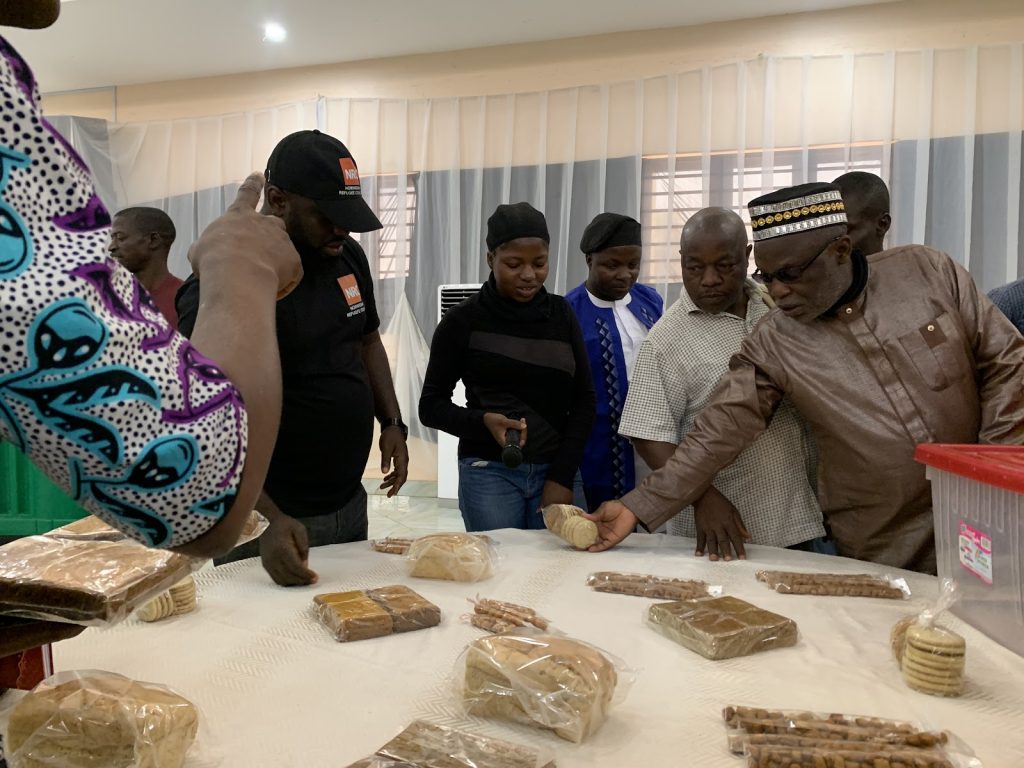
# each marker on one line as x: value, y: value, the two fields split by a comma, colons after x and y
x: 976, y: 552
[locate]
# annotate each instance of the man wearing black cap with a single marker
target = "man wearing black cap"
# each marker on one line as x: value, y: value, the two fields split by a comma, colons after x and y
x: 878, y: 354
x: 336, y: 372
x: 519, y: 351
x: 615, y: 314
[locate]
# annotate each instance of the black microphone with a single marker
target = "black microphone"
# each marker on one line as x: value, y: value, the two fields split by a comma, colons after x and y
x: 511, y: 453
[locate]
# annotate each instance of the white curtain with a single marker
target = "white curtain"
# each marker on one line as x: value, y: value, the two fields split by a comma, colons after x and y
x: 942, y: 127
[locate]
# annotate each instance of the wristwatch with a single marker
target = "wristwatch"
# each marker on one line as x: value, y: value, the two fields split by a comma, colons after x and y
x: 395, y: 421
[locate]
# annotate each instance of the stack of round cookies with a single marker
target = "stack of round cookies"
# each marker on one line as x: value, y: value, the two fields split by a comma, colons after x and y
x: 567, y: 522
x: 933, y: 660
x: 181, y: 598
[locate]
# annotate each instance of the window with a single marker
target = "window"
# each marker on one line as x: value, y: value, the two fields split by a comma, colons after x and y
x: 388, y: 249
x: 670, y: 196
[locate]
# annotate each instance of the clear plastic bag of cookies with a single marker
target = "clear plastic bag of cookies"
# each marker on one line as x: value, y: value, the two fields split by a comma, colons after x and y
x: 425, y: 745
x: 770, y: 738
x: 568, y: 523
x: 835, y: 584
x: 465, y: 557
x: 547, y: 681
x: 500, y: 616
x: 650, y: 586
x: 931, y: 657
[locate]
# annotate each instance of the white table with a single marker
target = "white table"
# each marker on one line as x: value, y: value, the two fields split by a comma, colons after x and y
x: 276, y: 690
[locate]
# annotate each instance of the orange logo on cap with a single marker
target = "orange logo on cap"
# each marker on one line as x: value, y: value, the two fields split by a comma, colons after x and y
x: 349, y: 172
x: 350, y: 289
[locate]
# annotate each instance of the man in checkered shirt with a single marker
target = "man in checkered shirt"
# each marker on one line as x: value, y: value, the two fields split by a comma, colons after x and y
x: 768, y: 495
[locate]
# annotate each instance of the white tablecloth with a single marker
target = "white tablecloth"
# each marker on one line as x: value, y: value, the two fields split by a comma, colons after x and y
x: 276, y: 690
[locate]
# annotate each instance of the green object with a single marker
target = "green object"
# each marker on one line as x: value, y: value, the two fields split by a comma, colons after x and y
x: 30, y: 503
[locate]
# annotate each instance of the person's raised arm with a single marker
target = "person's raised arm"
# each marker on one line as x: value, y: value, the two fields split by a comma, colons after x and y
x: 245, y: 262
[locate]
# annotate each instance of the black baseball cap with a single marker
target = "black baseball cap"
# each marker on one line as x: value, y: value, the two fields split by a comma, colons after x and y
x: 315, y: 165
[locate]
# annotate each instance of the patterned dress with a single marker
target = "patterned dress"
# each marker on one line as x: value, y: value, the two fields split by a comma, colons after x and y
x: 95, y: 386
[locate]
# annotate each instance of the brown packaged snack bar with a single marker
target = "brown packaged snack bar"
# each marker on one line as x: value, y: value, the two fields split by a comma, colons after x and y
x: 722, y: 627
x: 353, y: 616
x: 426, y: 745
x: 409, y: 610
x: 83, y: 581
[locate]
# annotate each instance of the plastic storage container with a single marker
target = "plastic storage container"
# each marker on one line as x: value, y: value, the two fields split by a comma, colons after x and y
x: 29, y: 501
x: 978, y: 501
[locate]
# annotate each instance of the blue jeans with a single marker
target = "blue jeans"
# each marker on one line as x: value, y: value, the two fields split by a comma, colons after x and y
x: 819, y: 546
x: 493, y: 496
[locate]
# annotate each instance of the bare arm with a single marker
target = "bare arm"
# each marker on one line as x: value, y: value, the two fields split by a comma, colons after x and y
x: 394, y: 452
x: 246, y: 261
x: 654, y: 452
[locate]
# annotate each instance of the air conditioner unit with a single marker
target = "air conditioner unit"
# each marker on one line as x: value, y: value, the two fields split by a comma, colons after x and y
x: 448, y: 445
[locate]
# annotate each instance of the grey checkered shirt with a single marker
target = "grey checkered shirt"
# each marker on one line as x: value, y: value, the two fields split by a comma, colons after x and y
x: 772, y: 483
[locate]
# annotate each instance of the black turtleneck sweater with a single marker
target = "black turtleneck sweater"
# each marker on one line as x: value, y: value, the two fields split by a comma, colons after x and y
x: 518, y: 359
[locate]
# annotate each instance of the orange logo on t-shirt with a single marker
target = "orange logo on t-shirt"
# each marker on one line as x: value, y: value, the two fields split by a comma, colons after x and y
x: 350, y: 289
x: 349, y: 172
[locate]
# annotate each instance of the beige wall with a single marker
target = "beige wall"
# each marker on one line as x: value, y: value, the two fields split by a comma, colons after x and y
x: 910, y: 25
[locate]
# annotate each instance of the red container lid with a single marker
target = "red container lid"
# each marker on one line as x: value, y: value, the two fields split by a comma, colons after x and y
x: 998, y: 465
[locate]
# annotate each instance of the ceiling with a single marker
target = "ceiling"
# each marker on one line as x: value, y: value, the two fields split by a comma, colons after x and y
x: 99, y: 43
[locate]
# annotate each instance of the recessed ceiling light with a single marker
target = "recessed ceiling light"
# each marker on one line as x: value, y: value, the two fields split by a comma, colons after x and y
x: 274, y: 32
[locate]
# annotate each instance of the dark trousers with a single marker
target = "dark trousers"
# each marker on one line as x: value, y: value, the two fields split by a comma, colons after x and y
x: 347, y: 524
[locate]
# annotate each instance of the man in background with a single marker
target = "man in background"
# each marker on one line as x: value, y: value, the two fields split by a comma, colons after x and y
x: 867, y: 210
x: 336, y: 374
x: 615, y: 313
x: 770, y: 490
x: 141, y: 239
x: 1010, y: 300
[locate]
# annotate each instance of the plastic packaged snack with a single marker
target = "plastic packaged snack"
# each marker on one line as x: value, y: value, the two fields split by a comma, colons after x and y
x: 91, y: 528
x: 499, y: 617
x: 424, y: 745
x: 391, y: 545
x: 92, y: 582
x: 931, y: 657
x: 409, y: 611
x: 177, y: 601
x: 567, y: 522
x: 77, y: 719
x: 772, y: 738
x: 549, y: 682
x: 722, y: 627
x: 655, y: 587
x: 377, y: 612
x: 452, y: 556
x: 835, y: 584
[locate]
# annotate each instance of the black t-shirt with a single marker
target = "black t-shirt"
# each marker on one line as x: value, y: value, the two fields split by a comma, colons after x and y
x: 327, y: 411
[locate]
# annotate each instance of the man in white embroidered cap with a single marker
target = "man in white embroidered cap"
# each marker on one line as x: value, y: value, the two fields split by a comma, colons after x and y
x: 877, y: 353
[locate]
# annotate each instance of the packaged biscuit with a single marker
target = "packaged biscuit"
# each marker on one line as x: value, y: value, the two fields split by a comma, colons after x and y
x: 567, y: 522
x: 788, y: 738
x: 654, y: 587
x: 931, y: 657
x: 722, y: 627
x: 835, y: 584
x: 500, y: 617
